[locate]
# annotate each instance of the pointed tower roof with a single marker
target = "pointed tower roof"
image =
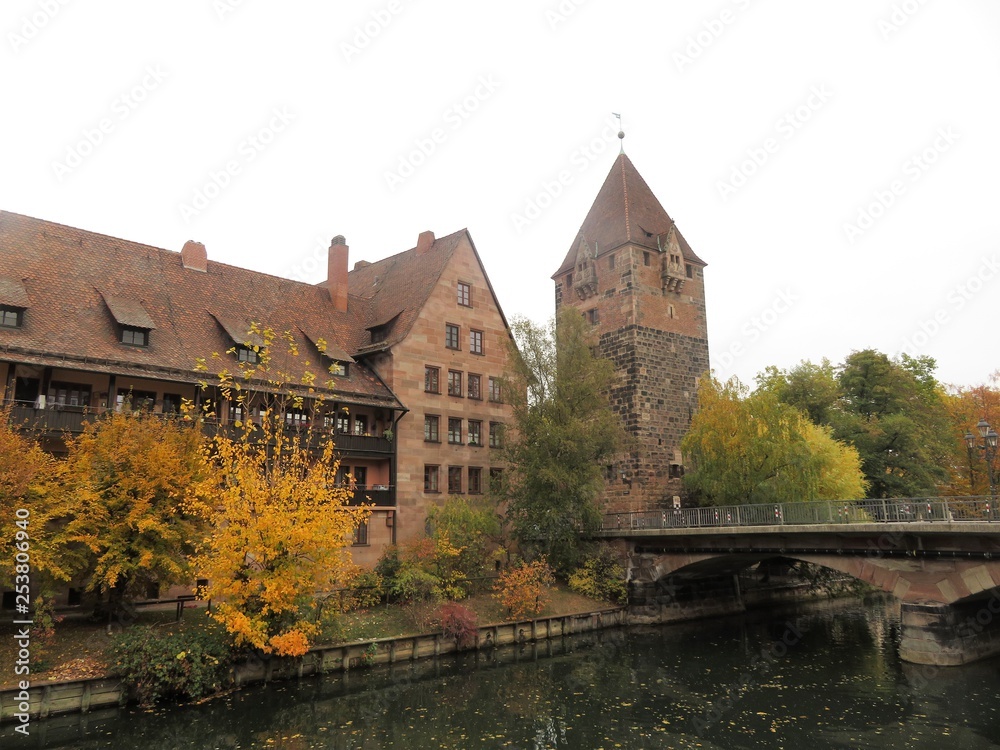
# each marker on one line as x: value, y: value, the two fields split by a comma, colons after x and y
x: 625, y: 211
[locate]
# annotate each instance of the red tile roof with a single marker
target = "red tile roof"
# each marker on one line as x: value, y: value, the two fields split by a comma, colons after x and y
x: 625, y: 211
x: 68, y: 274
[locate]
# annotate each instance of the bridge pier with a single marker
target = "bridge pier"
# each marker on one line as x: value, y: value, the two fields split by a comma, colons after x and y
x: 950, y: 634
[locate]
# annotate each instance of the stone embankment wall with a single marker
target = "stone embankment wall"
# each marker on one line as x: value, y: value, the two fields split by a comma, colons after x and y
x: 51, y: 699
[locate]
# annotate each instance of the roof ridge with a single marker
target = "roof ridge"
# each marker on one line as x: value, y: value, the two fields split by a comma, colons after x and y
x: 628, y: 227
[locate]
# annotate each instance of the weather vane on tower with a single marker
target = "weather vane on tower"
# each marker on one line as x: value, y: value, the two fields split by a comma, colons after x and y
x: 621, y: 132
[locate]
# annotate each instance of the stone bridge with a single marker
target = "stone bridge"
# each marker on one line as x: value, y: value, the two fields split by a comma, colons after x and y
x: 939, y: 556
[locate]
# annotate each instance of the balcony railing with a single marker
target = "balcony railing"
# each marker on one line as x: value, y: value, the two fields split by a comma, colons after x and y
x: 377, y: 494
x: 62, y: 419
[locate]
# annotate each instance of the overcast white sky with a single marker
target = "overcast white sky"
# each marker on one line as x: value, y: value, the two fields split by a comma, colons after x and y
x: 834, y: 163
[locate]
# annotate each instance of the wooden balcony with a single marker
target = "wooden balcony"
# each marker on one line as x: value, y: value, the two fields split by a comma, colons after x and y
x: 378, y: 494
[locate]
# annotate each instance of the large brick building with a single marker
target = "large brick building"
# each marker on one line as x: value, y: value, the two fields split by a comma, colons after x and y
x: 636, y: 279
x: 414, y: 344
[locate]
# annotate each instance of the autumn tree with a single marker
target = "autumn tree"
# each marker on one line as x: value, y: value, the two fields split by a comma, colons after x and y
x: 474, y: 526
x: 522, y: 590
x: 563, y: 432
x: 751, y: 448
x: 280, y: 526
x: 134, y: 480
x: 966, y: 407
x: 33, y: 480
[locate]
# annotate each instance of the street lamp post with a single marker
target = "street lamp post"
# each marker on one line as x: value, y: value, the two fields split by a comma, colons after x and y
x: 988, y: 446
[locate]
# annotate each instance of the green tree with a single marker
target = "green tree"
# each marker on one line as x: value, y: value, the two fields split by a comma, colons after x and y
x: 893, y: 412
x: 751, y: 448
x: 563, y: 431
x: 474, y: 526
x: 133, y: 478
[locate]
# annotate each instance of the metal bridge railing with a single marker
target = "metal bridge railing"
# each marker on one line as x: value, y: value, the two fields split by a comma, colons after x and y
x: 899, y: 510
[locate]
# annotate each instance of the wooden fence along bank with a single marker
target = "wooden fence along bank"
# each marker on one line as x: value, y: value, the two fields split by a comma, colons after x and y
x: 53, y: 698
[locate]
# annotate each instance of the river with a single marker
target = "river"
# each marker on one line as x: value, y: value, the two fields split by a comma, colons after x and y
x: 823, y: 675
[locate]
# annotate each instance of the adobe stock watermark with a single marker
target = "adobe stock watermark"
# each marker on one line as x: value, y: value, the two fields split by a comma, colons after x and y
x: 759, y: 668
x: 956, y: 298
x: 579, y: 160
x: 785, y: 128
x: 755, y: 328
x: 562, y: 12
x: 32, y: 24
x: 366, y: 32
x: 119, y: 110
x: 702, y: 39
x: 218, y: 180
x: 899, y: 16
x: 223, y: 8
x: 313, y: 263
x: 452, y: 119
x: 913, y: 170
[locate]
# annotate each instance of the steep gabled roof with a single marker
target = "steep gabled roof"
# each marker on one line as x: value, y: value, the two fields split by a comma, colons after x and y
x: 625, y: 211
x: 397, y: 288
x: 80, y: 285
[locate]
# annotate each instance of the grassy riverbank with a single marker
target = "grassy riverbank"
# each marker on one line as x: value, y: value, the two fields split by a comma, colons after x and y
x: 81, y: 649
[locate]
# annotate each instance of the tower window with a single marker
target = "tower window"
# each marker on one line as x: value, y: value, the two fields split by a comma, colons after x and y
x: 593, y: 316
x: 611, y: 261
x: 645, y: 258
x: 689, y: 270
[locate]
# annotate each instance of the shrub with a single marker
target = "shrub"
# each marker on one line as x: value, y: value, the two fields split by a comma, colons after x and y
x: 600, y: 577
x: 522, y: 590
x: 458, y: 622
x: 155, y: 665
x: 363, y: 591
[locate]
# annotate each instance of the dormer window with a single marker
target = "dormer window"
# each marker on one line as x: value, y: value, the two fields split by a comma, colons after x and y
x: 11, y: 317
x: 338, y: 369
x: 133, y: 336
x: 246, y: 354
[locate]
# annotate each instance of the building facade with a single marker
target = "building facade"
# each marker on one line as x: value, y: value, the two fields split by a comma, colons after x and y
x: 635, y: 278
x: 89, y: 323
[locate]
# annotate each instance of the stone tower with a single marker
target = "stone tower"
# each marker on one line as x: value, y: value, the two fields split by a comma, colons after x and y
x: 634, y: 277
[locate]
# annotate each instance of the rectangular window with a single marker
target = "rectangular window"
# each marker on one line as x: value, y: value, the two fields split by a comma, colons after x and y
x: 475, y: 387
x: 451, y: 336
x: 360, y: 475
x: 431, y: 379
x: 432, y: 476
x: 593, y: 316
x: 454, y: 431
x: 454, y: 480
x: 431, y: 429
x: 343, y: 423
x: 611, y: 261
x: 246, y: 354
x: 69, y: 394
x: 495, y: 396
x: 454, y: 383
x: 338, y: 369
x: 569, y: 281
x: 645, y: 258
x: 689, y: 270
x: 475, y: 480
x: 171, y: 403
x: 475, y: 432
x: 296, y: 417
x: 135, y: 336
x: 361, y: 535
x: 137, y: 400
x: 464, y: 294
x: 496, y: 434
x: 11, y: 317
x: 476, y: 342
x: 360, y: 424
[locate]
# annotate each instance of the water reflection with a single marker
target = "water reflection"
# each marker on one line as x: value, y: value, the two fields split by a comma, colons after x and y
x: 821, y: 676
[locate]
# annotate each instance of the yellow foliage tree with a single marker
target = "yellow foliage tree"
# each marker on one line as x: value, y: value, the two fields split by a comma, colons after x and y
x: 280, y: 527
x: 133, y: 477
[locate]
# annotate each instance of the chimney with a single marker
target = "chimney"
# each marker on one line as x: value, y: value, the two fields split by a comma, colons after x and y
x: 336, y: 273
x: 424, y: 242
x: 194, y: 256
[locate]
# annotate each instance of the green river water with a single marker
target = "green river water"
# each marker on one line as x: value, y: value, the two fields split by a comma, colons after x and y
x: 815, y: 676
